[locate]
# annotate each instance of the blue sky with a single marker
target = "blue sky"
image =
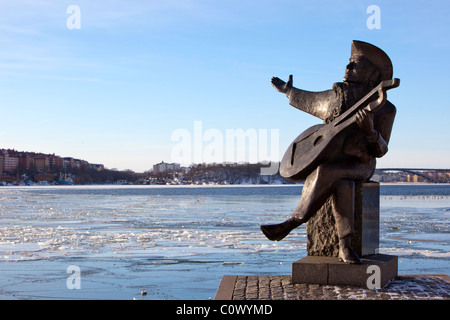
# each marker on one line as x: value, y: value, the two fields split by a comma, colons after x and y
x: 115, y: 90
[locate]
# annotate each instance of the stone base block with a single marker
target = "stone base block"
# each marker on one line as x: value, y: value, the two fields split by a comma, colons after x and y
x: 321, y: 230
x: 374, y: 272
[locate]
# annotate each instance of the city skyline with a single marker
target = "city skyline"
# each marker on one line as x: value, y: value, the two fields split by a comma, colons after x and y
x: 15, y: 161
x: 115, y: 79
x: 29, y: 168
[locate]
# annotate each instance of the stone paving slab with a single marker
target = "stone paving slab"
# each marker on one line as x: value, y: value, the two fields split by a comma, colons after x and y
x: 280, y: 287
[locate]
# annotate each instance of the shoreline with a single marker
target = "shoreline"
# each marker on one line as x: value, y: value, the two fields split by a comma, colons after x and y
x: 204, y: 185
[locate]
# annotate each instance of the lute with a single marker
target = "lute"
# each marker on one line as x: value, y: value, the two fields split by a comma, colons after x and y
x: 316, y: 144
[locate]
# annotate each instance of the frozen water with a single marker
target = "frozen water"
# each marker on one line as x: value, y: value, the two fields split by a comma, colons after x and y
x: 176, y: 242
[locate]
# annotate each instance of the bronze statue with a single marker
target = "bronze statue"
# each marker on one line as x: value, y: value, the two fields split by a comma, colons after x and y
x: 330, y: 157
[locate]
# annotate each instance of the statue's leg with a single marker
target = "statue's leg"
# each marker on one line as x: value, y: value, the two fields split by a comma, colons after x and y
x: 343, y: 207
x: 343, y: 211
x: 317, y: 188
x: 319, y: 185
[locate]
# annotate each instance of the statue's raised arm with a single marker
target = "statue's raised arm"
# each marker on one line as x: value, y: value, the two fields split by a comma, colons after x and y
x: 319, y: 104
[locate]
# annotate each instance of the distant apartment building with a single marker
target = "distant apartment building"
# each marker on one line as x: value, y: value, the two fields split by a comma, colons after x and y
x: 41, y: 162
x: 68, y: 163
x: 164, y: 167
x: 98, y: 167
x: 54, y: 163
x: 12, y: 161
x: 27, y: 160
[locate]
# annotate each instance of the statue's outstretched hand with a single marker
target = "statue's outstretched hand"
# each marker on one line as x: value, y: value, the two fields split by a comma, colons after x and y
x: 280, y: 85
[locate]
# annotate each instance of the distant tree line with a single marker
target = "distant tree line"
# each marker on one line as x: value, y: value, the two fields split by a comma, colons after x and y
x: 77, y: 175
x: 105, y: 176
x: 229, y: 173
x: 196, y: 173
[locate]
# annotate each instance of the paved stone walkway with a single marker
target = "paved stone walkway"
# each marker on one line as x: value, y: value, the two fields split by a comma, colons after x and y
x: 280, y: 287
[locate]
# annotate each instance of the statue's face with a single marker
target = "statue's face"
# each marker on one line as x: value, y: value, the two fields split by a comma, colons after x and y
x: 358, y: 70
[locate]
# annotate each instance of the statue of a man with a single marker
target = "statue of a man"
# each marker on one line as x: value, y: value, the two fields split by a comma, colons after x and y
x: 363, y: 143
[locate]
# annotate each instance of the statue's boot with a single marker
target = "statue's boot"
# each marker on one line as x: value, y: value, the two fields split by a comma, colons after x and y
x: 346, y: 253
x: 277, y: 232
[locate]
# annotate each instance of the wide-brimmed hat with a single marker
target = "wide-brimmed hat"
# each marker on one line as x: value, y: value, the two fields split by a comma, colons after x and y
x: 375, y: 55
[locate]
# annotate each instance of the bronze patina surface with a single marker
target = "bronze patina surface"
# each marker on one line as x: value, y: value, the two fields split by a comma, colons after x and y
x: 333, y: 156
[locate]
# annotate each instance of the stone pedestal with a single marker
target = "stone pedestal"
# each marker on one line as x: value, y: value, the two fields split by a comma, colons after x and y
x: 322, y: 239
x: 374, y: 272
x: 366, y: 239
x: 322, y: 266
